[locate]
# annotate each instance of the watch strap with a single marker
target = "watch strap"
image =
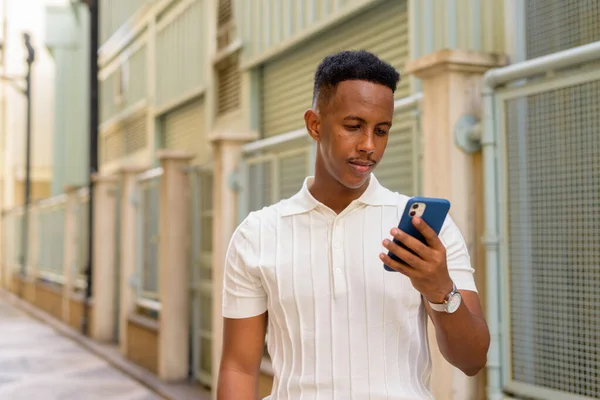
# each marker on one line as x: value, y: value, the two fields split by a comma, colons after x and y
x: 443, y: 307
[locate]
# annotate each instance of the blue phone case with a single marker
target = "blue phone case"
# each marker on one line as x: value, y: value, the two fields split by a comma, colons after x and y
x: 434, y: 215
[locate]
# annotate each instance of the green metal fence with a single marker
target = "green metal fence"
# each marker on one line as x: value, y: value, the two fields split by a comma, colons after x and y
x: 51, y: 215
x: 148, y: 236
x: 542, y: 184
x: 201, y: 257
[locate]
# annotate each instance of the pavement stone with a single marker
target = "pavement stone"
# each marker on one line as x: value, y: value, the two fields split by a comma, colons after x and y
x: 36, y: 362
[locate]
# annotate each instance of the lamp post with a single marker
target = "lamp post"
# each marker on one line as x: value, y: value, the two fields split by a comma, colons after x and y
x: 93, y: 6
x: 25, y: 228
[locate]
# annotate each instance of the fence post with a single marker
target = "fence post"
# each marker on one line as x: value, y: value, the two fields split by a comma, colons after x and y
x: 451, y: 81
x: 174, y: 271
x: 128, y: 248
x: 70, y: 252
x: 104, y: 253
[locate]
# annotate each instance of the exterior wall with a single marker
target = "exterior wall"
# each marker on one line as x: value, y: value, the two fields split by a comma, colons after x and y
x: 115, y: 14
x: 68, y: 41
x: 49, y: 298
x: 149, y: 67
x: 476, y: 25
x: 19, y: 17
x: 76, y: 313
x: 267, y: 31
x: 143, y: 342
x: 39, y: 191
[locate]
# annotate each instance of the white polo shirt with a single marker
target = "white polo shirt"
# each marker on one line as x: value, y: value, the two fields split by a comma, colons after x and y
x: 340, y: 326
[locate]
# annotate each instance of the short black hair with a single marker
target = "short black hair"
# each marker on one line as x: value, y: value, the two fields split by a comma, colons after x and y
x: 352, y: 65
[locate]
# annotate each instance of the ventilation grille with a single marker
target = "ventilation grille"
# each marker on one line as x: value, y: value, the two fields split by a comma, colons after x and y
x: 229, y: 86
x: 135, y: 134
x: 556, y: 25
x: 225, y: 12
x: 554, y: 238
x: 126, y: 138
x: 226, y: 26
x: 113, y: 146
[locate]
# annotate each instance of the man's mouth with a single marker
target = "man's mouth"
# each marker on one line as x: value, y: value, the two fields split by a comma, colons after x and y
x: 361, y: 167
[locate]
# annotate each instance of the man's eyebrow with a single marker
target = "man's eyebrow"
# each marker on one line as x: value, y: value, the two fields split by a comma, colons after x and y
x: 355, y: 118
x: 362, y: 120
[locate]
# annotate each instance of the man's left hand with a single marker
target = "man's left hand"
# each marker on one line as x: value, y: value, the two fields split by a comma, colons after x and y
x: 427, y: 270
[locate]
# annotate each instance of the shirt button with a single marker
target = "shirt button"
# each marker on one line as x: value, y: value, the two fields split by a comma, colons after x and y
x: 336, y: 245
x: 338, y: 270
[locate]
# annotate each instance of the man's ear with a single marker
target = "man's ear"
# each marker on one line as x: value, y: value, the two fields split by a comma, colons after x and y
x: 313, y: 124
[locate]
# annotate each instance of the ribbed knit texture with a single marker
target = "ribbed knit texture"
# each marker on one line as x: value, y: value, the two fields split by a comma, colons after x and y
x: 340, y: 326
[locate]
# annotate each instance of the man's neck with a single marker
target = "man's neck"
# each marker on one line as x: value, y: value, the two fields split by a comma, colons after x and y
x: 332, y: 193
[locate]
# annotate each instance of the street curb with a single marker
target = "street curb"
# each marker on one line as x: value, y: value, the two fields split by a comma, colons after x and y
x: 113, y: 357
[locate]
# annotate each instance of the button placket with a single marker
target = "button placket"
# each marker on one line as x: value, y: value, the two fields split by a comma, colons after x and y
x: 339, y: 280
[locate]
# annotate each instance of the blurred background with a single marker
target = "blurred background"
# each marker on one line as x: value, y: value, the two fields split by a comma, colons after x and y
x: 146, y: 130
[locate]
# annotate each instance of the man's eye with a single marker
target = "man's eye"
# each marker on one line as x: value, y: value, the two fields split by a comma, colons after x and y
x: 381, y: 132
x: 352, y: 127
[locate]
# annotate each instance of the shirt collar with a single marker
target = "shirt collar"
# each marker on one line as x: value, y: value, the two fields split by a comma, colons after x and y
x: 303, y: 201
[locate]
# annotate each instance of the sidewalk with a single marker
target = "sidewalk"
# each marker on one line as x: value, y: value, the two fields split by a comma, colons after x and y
x: 36, y: 362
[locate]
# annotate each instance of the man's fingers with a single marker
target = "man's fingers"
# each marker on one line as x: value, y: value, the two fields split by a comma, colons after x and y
x: 409, y: 258
x: 412, y: 243
x: 395, y: 265
x: 429, y: 234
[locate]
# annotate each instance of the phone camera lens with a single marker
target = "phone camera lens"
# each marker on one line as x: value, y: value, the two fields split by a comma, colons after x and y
x: 412, y: 213
x: 415, y: 206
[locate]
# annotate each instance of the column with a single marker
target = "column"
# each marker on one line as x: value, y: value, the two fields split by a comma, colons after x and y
x: 451, y: 81
x: 104, y: 288
x: 128, y: 249
x: 70, y: 252
x: 174, y: 267
x: 227, y: 154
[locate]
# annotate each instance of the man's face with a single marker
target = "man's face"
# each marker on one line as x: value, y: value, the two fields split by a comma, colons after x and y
x: 353, y: 130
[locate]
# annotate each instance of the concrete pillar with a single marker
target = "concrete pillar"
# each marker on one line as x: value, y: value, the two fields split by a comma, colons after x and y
x: 451, y: 81
x: 227, y: 155
x: 174, y: 268
x: 128, y: 248
x: 104, y: 290
x: 70, y: 252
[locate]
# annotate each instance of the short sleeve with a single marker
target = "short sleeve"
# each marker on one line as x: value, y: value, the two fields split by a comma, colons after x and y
x: 457, y: 256
x: 243, y: 292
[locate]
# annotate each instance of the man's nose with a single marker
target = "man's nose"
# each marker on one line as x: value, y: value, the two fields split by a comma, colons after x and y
x: 367, y: 143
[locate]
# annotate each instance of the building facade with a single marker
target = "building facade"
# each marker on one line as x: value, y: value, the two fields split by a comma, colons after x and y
x: 201, y: 122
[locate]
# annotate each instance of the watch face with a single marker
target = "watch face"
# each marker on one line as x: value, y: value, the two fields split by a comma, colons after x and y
x: 454, y: 302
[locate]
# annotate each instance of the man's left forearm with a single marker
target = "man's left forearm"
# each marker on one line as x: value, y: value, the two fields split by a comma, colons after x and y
x: 463, y: 338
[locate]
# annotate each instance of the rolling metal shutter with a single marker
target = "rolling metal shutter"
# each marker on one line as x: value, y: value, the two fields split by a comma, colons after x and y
x: 288, y: 80
x: 184, y: 130
x: 288, y: 86
x: 399, y: 170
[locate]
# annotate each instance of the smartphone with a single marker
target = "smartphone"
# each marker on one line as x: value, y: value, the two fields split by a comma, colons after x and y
x: 431, y: 210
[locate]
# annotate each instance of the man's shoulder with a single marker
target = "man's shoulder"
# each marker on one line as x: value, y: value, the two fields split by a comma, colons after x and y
x: 266, y: 215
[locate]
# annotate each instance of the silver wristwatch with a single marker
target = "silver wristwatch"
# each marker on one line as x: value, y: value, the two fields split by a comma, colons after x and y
x: 451, y: 302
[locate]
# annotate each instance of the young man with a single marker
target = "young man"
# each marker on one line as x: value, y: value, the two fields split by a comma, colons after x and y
x: 311, y: 267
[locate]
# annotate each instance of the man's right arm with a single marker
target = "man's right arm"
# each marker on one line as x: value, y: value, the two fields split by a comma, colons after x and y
x: 243, y: 344
x: 245, y: 315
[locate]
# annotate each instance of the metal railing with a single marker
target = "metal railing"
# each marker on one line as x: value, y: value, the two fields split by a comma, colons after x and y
x: 51, y: 216
x: 148, y: 236
x: 12, y: 228
x: 541, y: 151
